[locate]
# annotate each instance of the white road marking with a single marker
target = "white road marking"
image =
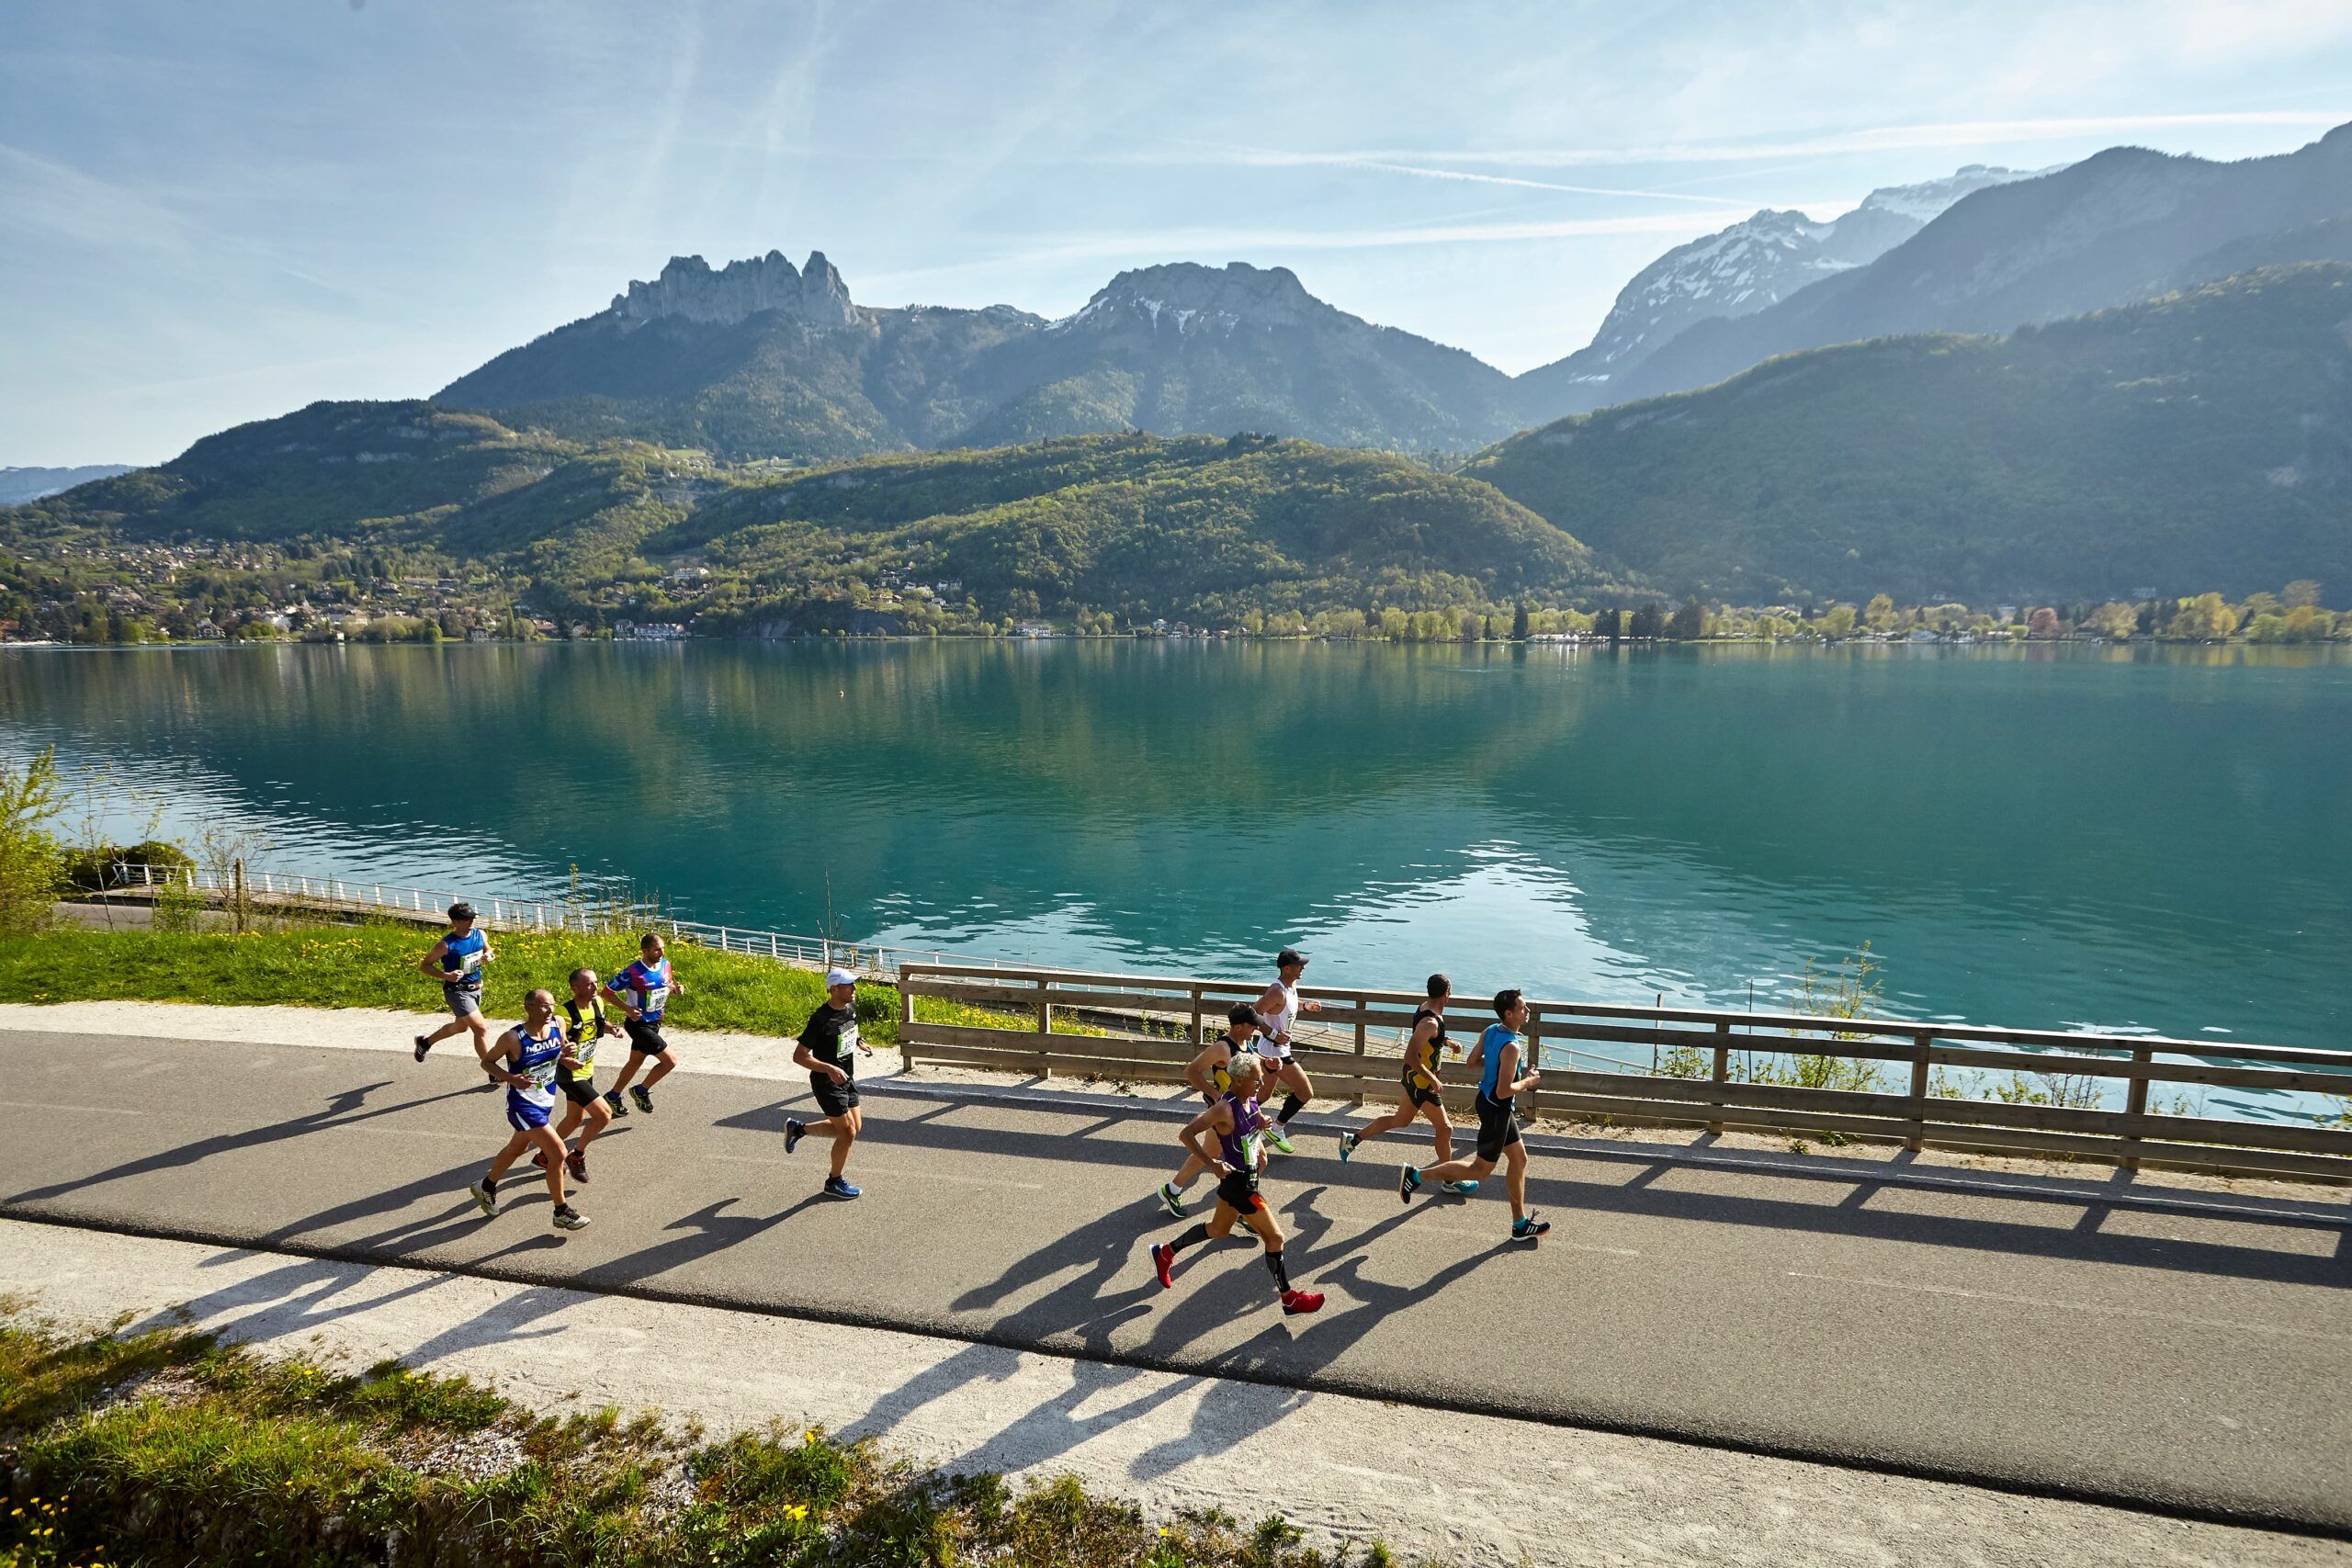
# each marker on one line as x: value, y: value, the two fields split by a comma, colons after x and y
x: 2046, y: 1304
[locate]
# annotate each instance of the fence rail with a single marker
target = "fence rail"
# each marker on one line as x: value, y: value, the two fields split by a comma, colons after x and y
x: 267, y: 888
x: 1695, y: 1077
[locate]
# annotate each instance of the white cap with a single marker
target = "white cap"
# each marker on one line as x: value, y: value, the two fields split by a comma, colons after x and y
x: 838, y: 976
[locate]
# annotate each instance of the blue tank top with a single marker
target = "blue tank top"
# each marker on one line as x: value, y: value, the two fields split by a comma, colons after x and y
x: 465, y: 954
x: 1240, y: 1145
x: 536, y: 1062
x: 1490, y: 1067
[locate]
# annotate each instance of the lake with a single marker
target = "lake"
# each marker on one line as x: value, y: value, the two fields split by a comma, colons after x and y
x: 2050, y: 837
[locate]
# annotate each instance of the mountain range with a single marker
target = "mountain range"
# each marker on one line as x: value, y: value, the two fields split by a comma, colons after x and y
x: 2123, y: 373
x: 20, y: 485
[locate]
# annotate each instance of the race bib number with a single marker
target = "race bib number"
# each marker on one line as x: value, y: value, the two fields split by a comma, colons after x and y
x: 656, y: 999
x: 1249, y: 1151
x: 848, y: 1041
x: 470, y: 965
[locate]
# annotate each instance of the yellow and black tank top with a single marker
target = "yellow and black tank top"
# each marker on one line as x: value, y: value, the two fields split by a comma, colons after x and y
x: 1421, y: 1060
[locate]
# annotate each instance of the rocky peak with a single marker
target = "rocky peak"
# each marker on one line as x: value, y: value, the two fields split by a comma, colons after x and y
x: 1194, y: 297
x: 688, y: 288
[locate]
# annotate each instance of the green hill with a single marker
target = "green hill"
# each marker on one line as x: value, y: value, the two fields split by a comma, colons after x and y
x: 1138, y: 527
x: 2196, y: 442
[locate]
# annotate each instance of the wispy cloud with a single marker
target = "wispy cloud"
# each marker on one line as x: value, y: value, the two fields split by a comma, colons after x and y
x: 1260, y: 158
x: 1875, y: 138
x: 54, y: 202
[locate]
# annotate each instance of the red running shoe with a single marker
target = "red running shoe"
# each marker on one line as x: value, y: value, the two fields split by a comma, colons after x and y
x: 577, y: 1163
x: 1163, y: 1262
x: 1297, y: 1302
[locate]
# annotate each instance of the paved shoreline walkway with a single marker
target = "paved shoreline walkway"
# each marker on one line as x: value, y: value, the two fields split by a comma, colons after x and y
x: 2183, y: 1359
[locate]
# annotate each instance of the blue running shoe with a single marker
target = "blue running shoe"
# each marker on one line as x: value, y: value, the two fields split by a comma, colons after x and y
x: 836, y: 1187
x: 1408, y: 1181
x: 1528, y: 1228
x: 1348, y: 1142
x: 1462, y: 1189
x: 793, y: 1133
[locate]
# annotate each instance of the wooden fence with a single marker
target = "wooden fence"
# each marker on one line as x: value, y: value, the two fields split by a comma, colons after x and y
x: 1685, y: 1067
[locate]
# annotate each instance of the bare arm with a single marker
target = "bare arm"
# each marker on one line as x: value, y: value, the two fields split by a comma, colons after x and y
x: 1423, y: 1057
x: 509, y: 1044
x: 1217, y: 1118
x: 1196, y: 1072
x: 1511, y: 1059
x: 807, y: 1063
x: 621, y: 999
x: 431, y: 965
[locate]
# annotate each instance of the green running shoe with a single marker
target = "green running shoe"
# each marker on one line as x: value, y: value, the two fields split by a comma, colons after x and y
x: 613, y: 1103
x: 643, y: 1096
x: 1172, y: 1200
x: 1282, y: 1144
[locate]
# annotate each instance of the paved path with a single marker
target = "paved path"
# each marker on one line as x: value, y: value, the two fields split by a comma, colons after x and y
x: 2187, y: 1360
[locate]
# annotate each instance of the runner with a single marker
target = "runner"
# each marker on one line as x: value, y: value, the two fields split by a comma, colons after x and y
x: 531, y: 1053
x: 1277, y: 1011
x: 830, y: 1047
x: 585, y: 1024
x: 648, y: 980
x: 456, y: 961
x: 1496, y: 1058
x: 1424, y: 1051
x: 1238, y: 1159
x: 1211, y: 1073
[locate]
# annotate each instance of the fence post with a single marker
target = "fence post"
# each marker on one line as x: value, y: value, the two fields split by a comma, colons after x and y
x: 906, y: 1025
x: 241, y: 894
x: 1722, y: 1073
x: 1044, y: 1030
x: 1356, y: 1098
x: 1921, y: 1043
x: 2135, y: 1103
x: 1197, y: 1041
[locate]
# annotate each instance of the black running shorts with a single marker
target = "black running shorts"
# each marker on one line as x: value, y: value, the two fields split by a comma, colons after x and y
x: 1239, y: 1192
x: 579, y: 1091
x: 645, y: 1038
x: 1419, y: 1090
x: 1497, y: 1128
x: 832, y: 1098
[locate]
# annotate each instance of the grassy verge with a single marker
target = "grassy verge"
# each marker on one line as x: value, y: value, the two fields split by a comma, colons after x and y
x: 373, y: 966
x: 168, y: 1447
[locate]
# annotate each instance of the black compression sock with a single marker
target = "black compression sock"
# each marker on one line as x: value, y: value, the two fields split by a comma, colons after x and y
x: 1281, y: 1274
x: 1292, y: 1106
x: 1198, y: 1233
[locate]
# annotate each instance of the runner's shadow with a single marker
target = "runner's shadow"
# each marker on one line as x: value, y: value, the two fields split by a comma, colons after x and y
x: 345, y: 1109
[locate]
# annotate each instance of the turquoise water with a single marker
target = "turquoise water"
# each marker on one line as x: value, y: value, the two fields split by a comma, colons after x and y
x: 2150, y: 839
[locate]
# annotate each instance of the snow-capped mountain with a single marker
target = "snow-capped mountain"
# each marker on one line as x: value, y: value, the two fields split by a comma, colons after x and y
x: 1736, y: 271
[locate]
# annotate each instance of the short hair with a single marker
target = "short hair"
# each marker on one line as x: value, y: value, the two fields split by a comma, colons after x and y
x: 462, y: 910
x: 1440, y: 986
x: 1505, y: 1000
x: 537, y: 991
x: 1245, y: 1066
x: 1241, y: 1013
x: 648, y: 939
x: 583, y: 969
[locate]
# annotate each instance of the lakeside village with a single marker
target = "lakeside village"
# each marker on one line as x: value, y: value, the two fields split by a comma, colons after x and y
x: 118, y: 593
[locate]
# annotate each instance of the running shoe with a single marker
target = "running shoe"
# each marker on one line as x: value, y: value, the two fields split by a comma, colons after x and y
x: 1528, y: 1228
x: 1297, y: 1302
x: 1408, y: 1181
x: 793, y: 1133
x: 577, y: 1164
x: 1163, y: 1263
x: 1348, y: 1142
x: 613, y: 1102
x: 1462, y: 1189
x: 836, y: 1187
x: 423, y: 1045
x: 643, y: 1096
x: 568, y: 1218
x: 539, y: 1159
x: 1172, y: 1200
x: 1281, y: 1143
x: 485, y: 1196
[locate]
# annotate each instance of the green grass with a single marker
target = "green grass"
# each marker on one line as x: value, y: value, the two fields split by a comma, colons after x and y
x: 373, y: 966
x: 167, y: 1447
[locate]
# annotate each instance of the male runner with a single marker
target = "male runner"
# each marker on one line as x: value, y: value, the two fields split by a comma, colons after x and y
x: 585, y: 1024
x: 828, y: 1048
x: 1497, y: 1060
x: 455, y: 961
x: 643, y: 991
x: 1211, y: 1073
x: 529, y: 1054
x: 1277, y: 1011
x: 1424, y: 1051
x: 1238, y: 1159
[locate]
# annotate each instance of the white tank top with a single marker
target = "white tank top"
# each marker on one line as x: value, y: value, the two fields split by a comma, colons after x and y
x: 1276, y: 1024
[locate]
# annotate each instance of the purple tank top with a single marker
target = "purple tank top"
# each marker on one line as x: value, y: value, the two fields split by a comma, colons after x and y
x: 1238, y: 1151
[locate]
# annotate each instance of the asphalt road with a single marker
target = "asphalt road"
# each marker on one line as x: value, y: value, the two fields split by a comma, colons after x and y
x: 2194, y: 1360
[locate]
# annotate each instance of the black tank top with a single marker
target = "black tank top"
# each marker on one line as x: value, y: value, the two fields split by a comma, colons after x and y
x: 1424, y: 1058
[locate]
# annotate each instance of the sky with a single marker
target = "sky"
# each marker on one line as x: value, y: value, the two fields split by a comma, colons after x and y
x: 217, y: 212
